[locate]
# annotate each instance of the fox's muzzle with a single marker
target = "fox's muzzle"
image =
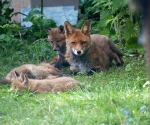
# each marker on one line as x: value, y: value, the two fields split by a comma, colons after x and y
x: 78, y: 52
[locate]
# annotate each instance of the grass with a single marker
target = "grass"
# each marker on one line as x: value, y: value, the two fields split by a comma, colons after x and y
x: 112, y: 97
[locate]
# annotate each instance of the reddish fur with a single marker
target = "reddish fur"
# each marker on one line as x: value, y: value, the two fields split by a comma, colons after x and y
x: 41, y: 71
x: 62, y: 84
x: 56, y: 39
x: 100, y: 51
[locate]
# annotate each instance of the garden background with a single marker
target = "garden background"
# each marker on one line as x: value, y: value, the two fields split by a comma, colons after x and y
x: 113, y: 97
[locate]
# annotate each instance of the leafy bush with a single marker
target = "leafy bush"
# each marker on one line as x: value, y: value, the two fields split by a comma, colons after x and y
x: 8, y: 40
x: 16, y: 40
x: 5, y: 12
x: 88, y: 12
x: 11, y: 42
x: 115, y: 21
x: 39, y: 23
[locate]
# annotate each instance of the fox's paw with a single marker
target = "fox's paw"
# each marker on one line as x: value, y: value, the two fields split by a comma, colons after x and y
x: 91, y: 72
x: 73, y: 70
x: 119, y: 64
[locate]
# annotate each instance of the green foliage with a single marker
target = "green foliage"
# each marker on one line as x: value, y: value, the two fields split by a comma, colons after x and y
x: 88, y: 12
x: 5, y: 12
x: 38, y: 49
x: 132, y: 43
x: 114, y: 19
x: 17, y: 39
x: 11, y: 41
x: 8, y: 41
x: 39, y: 23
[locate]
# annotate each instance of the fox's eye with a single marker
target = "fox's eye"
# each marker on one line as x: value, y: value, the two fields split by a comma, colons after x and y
x: 51, y: 42
x: 58, y: 41
x: 83, y: 42
x: 73, y: 43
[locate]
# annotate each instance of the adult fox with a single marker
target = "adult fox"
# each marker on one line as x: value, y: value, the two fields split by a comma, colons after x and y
x: 86, y: 52
x: 62, y: 84
x: 41, y: 71
x: 56, y: 38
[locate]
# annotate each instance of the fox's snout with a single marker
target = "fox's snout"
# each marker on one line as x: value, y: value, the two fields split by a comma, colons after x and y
x: 56, y: 49
x: 78, y: 52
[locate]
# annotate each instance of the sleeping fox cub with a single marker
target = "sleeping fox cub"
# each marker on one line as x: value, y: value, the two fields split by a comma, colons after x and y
x: 41, y: 71
x: 86, y: 52
x: 62, y: 84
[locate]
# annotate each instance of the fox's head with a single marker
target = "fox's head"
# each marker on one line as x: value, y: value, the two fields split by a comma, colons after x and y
x: 56, y: 38
x: 78, y: 41
x: 20, y: 83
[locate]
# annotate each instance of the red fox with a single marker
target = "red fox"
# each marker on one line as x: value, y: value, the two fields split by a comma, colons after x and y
x: 56, y: 38
x: 32, y: 71
x: 62, y: 84
x: 86, y: 52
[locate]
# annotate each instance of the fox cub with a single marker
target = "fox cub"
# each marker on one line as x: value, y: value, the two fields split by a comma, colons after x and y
x: 56, y: 38
x: 86, y: 52
x: 41, y: 71
x: 62, y: 84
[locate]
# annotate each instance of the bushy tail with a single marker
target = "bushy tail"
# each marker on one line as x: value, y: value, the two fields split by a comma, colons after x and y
x: 115, y: 49
x: 5, y: 81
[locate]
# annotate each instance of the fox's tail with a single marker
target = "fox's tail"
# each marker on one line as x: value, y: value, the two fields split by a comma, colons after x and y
x: 5, y: 81
x: 115, y: 49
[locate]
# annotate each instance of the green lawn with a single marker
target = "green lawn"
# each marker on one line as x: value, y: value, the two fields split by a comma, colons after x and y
x: 113, y: 97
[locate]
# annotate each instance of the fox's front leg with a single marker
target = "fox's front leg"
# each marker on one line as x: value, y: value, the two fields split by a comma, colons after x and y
x: 59, y: 62
x: 73, y: 70
x: 95, y: 69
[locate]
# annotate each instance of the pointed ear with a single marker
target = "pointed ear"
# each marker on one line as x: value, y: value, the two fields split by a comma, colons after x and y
x: 61, y: 29
x: 69, y: 29
x: 48, y: 31
x: 43, y: 59
x: 26, y: 79
x: 22, y: 77
x: 16, y: 74
x: 86, y: 27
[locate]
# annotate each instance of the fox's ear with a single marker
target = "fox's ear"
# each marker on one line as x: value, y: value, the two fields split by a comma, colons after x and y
x: 26, y: 79
x: 22, y: 77
x: 16, y: 74
x: 69, y: 29
x: 61, y: 29
x: 86, y: 27
x: 48, y: 31
x: 43, y: 59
